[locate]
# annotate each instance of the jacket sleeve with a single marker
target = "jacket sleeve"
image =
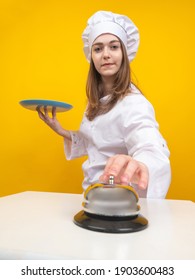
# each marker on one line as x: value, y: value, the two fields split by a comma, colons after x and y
x: 145, y: 144
x: 75, y: 148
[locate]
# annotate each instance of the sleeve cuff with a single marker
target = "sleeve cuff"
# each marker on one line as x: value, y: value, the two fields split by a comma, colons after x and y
x: 75, y: 148
x: 159, y: 174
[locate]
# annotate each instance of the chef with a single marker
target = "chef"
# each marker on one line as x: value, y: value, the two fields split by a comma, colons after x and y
x: 119, y: 132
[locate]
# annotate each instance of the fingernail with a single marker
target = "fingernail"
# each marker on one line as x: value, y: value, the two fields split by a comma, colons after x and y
x: 124, y: 180
x: 102, y: 178
x: 142, y: 186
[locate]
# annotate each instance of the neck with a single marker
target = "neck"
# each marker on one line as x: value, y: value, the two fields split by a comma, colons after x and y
x: 107, y: 84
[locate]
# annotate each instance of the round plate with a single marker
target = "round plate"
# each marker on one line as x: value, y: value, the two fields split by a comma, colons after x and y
x: 110, y: 224
x: 33, y: 104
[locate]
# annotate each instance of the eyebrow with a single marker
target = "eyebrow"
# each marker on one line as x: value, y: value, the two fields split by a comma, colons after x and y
x: 100, y: 43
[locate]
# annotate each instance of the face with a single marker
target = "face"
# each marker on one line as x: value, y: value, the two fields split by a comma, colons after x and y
x: 107, y: 55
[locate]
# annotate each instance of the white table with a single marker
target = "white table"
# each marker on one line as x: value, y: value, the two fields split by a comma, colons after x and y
x: 38, y: 225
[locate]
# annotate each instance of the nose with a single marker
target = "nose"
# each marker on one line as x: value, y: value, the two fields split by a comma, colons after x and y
x: 106, y: 53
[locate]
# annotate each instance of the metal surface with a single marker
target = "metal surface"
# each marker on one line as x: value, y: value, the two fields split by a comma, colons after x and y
x: 111, y: 201
x: 111, y: 180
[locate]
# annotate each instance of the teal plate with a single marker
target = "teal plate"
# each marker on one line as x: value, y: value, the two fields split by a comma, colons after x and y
x: 34, y: 104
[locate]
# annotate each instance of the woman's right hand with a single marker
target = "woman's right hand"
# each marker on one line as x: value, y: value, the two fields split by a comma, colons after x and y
x: 52, y: 122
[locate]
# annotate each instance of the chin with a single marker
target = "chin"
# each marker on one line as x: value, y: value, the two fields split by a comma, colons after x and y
x: 108, y: 74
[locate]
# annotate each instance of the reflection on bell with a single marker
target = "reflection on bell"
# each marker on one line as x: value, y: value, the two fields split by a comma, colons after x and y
x: 110, y: 208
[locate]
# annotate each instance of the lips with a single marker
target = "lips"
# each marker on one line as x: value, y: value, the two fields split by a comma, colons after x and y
x: 107, y: 64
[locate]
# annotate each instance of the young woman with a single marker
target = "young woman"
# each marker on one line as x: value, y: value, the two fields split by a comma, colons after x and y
x: 118, y: 133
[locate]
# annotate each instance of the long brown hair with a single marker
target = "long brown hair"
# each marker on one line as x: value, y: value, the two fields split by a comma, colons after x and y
x: 95, y: 90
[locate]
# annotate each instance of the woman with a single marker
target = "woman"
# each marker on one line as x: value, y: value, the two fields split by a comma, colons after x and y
x: 118, y: 133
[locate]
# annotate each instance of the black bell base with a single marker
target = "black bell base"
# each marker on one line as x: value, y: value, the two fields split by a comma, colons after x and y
x: 111, y: 224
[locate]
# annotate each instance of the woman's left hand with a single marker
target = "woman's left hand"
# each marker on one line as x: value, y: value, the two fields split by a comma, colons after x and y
x: 126, y: 170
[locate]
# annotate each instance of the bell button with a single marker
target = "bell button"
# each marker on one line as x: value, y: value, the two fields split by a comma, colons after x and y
x: 111, y: 180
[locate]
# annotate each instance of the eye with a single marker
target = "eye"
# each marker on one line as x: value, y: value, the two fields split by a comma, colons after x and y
x: 97, y: 49
x: 114, y: 47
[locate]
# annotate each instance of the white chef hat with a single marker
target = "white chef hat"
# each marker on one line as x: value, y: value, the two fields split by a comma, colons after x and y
x: 107, y: 22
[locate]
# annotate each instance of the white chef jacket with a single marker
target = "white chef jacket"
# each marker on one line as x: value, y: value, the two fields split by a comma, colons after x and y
x: 128, y: 128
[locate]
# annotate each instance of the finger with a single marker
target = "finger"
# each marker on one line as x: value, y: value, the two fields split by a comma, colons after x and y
x: 104, y: 177
x: 46, y: 111
x: 115, y: 165
x: 129, y: 172
x: 144, y: 178
x: 41, y: 115
x: 54, y: 112
x: 38, y: 108
x: 136, y: 170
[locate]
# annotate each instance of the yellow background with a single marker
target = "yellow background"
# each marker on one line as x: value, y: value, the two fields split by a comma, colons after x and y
x: 41, y: 57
